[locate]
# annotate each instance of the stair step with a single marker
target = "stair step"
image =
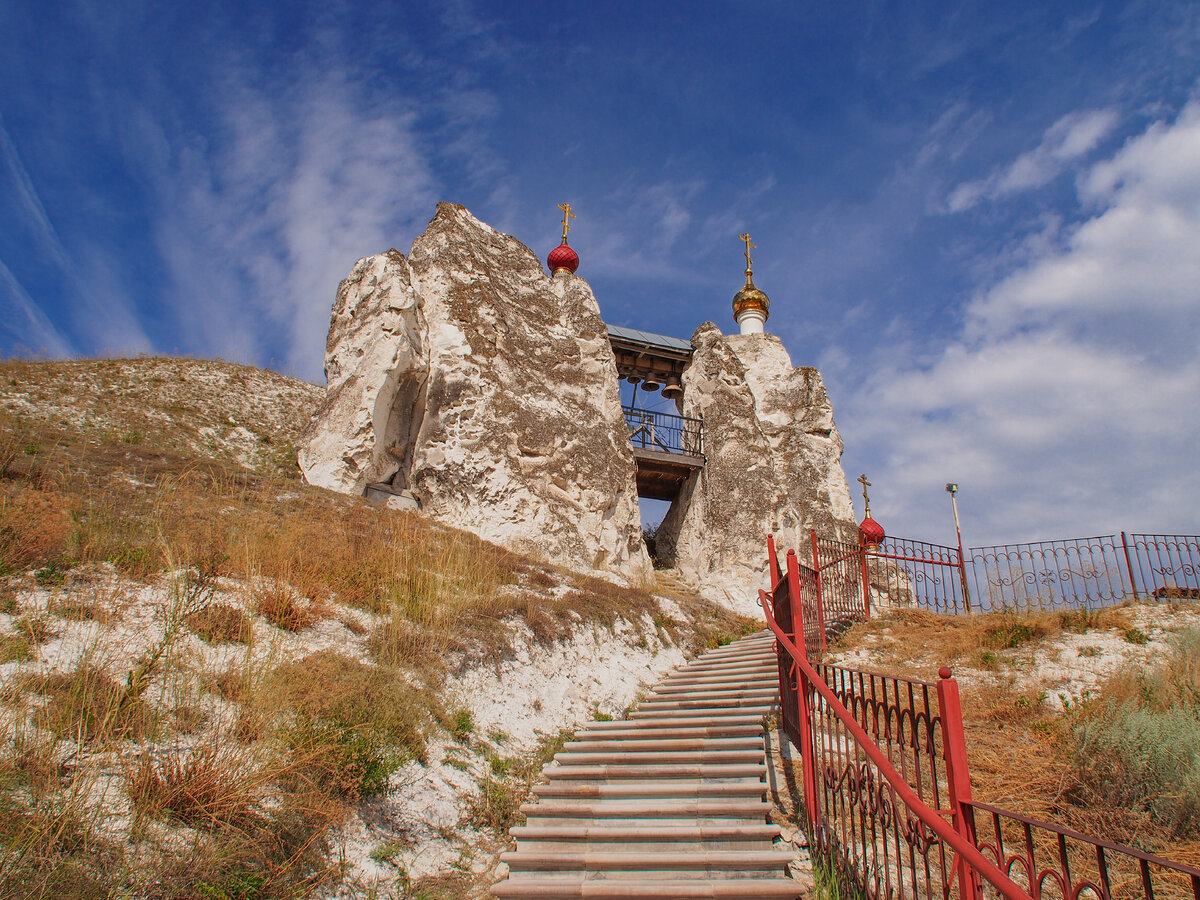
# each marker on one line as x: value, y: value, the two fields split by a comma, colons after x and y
x: 644, y: 771
x: 668, y: 731
x: 688, y: 691
x: 648, y: 889
x: 635, y: 790
x: 672, y: 835
x: 602, y: 860
x: 660, y: 757
x: 689, y: 720
x: 658, y: 808
x: 651, y: 744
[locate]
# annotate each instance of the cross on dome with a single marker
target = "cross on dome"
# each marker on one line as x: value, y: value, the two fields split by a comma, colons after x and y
x: 562, y: 258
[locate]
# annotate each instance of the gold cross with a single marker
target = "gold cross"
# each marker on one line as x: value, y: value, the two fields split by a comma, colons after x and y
x: 862, y: 479
x: 567, y: 214
x: 749, y: 246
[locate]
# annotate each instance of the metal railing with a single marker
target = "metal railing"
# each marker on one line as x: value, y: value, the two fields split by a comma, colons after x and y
x: 887, y: 789
x: 664, y: 432
x: 1077, y: 573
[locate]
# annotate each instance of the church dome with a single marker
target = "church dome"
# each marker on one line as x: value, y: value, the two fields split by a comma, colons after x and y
x: 750, y: 298
x: 871, y: 532
x: 562, y: 259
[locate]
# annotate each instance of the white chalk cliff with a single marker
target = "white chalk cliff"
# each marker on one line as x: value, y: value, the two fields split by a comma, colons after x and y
x: 467, y: 376
x: 773, y: 465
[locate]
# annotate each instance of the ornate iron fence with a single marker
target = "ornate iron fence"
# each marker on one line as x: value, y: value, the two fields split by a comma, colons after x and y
x: 1045, y: 575
x: 1080, y: 572
x: 1055, y: 863
x: 664, y: 432
x: 887, y: 791
x: 1166, y: 566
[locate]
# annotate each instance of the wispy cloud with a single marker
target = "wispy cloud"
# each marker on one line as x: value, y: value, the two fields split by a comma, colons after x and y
x: 1067, y: 140
x: 98, y: 307
x: 1067, y: 403
x: 26, y: 324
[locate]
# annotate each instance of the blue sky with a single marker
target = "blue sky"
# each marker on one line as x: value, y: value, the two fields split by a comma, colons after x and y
x: 980, y: 221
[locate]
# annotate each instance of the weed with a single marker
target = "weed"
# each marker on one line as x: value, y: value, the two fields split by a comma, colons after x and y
x: 354, y: 724
x: 1139, y: 745
x: 1090, y: 651
x: 88, y: 705
x: 598, y: 716
x: 497, y: 806
x: 15, y: 648
x: 221, y: 623
x: 1136, y: 636
x: 204, y: 787
x: 1007, y: 635
x: 461, y: 725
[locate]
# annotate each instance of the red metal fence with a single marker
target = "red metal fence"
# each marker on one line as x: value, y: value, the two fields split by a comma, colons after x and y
x: 1076, y: 573
x: 887, y: 791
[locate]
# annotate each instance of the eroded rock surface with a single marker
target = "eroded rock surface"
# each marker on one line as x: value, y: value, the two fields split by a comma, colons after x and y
x: 488, y: 389
x: 773, y: 465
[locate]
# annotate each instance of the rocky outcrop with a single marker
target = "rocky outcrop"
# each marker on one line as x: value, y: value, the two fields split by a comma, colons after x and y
x: 773, y: 465
x: 375, y: 371
x: 487, y: 389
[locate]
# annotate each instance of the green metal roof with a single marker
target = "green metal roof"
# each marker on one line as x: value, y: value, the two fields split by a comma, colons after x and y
x: 645, y: 337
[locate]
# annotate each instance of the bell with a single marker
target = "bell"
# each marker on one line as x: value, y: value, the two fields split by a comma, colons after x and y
x: 651, y: 384
x: 673, y: 390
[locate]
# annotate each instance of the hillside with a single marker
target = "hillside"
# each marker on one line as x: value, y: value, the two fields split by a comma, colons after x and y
x: 192, y: 407
x: 219, y: 682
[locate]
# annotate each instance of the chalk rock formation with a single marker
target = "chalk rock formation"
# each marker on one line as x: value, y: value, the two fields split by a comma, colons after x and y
x: 488, y: 389
x: 773, y: 465
x: 375, y: 369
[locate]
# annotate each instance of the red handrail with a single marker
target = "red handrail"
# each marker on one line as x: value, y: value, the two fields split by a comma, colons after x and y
x: 976, y: 860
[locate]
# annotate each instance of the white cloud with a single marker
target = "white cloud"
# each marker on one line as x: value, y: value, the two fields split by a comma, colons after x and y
x: 1069, y: 403
x: 24, y: 321
x: 259, y: 222
x: 1070, y: 138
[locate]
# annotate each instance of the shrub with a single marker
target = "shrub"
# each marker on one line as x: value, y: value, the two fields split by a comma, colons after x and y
x: 352, y: 724
x: 34, y: 528
x: 221, y: 623
x: 1138, y: 747
x: 204, y: 786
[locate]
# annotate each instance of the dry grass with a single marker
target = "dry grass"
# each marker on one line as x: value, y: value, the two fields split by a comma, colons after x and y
x: 220, y: 623
x: 245, y: 805
x: 918, y: 642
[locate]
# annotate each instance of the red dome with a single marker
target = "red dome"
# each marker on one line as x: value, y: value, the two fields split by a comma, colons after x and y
x: 562, y: 257
x: 871, y: 532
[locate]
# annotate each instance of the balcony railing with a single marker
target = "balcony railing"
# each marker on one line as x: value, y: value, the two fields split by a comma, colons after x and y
x: 664, y: 432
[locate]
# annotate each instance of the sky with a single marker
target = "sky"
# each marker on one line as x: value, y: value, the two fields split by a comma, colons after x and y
x: 980, y: 221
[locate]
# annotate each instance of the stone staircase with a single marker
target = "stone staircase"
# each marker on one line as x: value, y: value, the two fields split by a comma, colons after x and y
x: 670, y: 803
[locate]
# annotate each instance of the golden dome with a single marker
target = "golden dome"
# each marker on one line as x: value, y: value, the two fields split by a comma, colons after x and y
x: 750, y: 297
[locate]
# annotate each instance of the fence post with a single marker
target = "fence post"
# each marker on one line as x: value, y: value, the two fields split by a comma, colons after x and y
x: 1129, y: 566
x: 962, y: 575
x: 866, y: 580
x: 958, y: 778
x: 820, y: 590
x: 772, y: 563
x: 807, y: 758
x: 797, y: 602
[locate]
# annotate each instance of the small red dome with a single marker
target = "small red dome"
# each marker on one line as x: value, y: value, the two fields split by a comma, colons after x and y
x: 562, y: 257
x: 872, y: 532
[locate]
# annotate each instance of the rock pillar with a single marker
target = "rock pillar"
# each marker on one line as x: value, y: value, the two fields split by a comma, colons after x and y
x: 773, y: 465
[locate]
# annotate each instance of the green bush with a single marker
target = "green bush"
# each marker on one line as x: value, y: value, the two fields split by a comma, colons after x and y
x: 1138, y: 747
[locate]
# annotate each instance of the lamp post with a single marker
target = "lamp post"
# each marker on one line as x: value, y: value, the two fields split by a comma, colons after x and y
x: 952, y: 490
